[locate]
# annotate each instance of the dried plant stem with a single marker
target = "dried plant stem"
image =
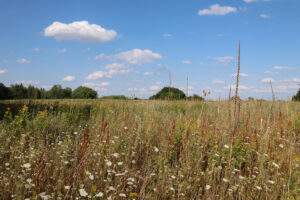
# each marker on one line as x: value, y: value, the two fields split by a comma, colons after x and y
x: 229, y: 104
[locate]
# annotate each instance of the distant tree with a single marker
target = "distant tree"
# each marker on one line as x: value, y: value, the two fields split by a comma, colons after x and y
x: 84, y: 93
x: 4, y: 92
x: 18, y: 91
x: 33, y: 93
x: 196, y: 97
x: 117, y: 97
x: 67, y: 92
x: 170, y: 93
x: 43, y: 93
x: 250, y: 99
x: 56, y: 92
x: 297, y: 96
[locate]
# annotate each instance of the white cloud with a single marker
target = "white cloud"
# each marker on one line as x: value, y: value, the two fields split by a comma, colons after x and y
x: 269, y: 72
x: 281, y: 67
x: 296, y: 80
x: 28, y: 82
x: 186, y: 62
x: 3, y: 71
x: 250, y: 1
x: 241, y: 87
x: 36, y: 49
x: 217, y: 81
x: 135, y: 56
x: 241, y: 75
x: 265, y: 16
x: 23, y: 61
x: 138, y: 90
x: 115, y: 66
x: 159, y: 83
x: 167, y: 35
x: 101, y: 74
x: 216, y: 9
x: 154, y: 87
x: 148, y: 73
x: 63, y: 50
x: 69, y: 78
x: 225, y: 59
x: 267, y: 80
x: 103, y: 84
x: 81, y: 31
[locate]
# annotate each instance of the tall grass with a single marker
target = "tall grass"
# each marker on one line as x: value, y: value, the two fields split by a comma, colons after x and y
x: 149, y: 150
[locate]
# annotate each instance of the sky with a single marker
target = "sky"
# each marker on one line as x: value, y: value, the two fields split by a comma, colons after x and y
x: 132, y: 47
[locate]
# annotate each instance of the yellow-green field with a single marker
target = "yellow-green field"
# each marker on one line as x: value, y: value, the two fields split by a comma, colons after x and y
x: 149, y: 150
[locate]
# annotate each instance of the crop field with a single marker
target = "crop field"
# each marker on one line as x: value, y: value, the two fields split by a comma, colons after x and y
x: 92, y: 149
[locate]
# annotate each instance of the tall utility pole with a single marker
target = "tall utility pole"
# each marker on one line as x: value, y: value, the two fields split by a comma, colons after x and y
x: 187, y: 87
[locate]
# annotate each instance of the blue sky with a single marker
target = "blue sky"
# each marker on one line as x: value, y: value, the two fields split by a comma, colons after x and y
x: 129, y: 47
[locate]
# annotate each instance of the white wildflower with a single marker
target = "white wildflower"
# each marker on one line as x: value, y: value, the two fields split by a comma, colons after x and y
x: 116, y: 155
x: 83, y: 193
x: 241, y: 177
x: 207, y: 187
x: 258, y: 187
x: 225, y: 180
x: 75, y: 133
x: 275, y: 165
x: 67, y: 187
x: 27, y: 165
x: 6, y: 164
x: 108, y: 163
x: 226, y: 146
x: 100, y: 194
x: 133, y: 162
x: 29, y: 180
x: 120, y: 163
x: 281, y: 145
x: 271, y: 182
x: 122, y: 195
x: 111, y: 188
x: 156, y: 149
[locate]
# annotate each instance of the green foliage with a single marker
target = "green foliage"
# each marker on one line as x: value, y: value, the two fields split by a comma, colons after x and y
x: 116, y: 97
x: 4, y: 92
x: 67, y: 92
x: 56, y: 92
x: 84, y: 93
x: 18, y: 91
x: 169, y: 93
x: 196, y: 98
x: 297, y: 96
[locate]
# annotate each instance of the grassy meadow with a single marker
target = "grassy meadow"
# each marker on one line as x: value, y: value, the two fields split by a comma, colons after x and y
x: 93, y: 149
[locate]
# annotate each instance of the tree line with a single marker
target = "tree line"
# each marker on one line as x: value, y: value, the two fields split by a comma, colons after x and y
x: 19, y: 91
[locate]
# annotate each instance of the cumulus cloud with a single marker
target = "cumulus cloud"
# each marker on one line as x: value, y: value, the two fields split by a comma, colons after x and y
x: 101, y: 74
x: 115, y: 66
x: 148, y: 73
x: 68, y: 78
x: 154, y: 87
x: 283, y: 67
x: 81, y: 31
x: 217, y: 81
x: 135, y: 56
x: 23, y: 61
x: 265, y: 16
x: 103, y: 84
x: 225, y: 59
x: 241, y: 75
x: 295, y: 80
x: 3, y: 71
x: 167, y: 35
x: 269, y: 72
x: 63, y: 50
x: 186, y: 62
x: 267, y: 80
x: 250, y: 1
x: 216, y: 9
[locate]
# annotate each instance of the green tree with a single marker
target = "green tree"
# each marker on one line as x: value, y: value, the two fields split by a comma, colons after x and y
x: 196, y: 97
x: 118, y: 97
x: 84, y: 93
x: 33, y: 93
x: 56, y: 92
x: 170, y: 93
x: 67, y: 92
x: 18, y: 91
x: 297, y: 96
x: 4, y: 92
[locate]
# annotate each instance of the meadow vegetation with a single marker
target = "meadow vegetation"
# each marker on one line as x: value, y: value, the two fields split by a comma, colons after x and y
x: 102, y: 149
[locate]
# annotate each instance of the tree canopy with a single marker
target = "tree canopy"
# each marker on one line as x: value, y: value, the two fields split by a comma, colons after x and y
x: 296, y: 97
x: 169, y: 93
x: 84, y: 93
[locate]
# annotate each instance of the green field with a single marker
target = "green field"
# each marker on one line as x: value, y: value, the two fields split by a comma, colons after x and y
x: 95, y: 149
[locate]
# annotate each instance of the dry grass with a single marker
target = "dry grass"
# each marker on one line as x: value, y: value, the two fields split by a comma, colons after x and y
x: 150, y: 150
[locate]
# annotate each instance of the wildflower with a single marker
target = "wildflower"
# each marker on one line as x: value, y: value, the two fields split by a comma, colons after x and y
x: 133, y: 194
x: 120, y: 163
x: 275, y: 165
x: 241, y: 177
x: 111, y: 188
x: 226, y: 146
x: 297, y: 159
x: 258, y: 187
x: 122, y: 195
x: 133, y: 162
x: 29, y: 180
x: 130, y: 179
x: 156, y: 149
x: 172, y: 189
x: 100, y: 194
x: 207, y: 187
x: 27, y: 165
x: 67, y: 187
x: 6, y: 164
x: 281, y: 145
x: 125, y: 128
x: 271, y: 182
x: 108, y: 163
x: 83, y: 193
x: 116, y: 155
x: 225, y: 180
x: 91, y: 177
x: 75, y: 133
x: 173, y: 177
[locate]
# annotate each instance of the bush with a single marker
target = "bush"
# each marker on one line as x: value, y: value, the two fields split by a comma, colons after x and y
x: 84, y: 93
x: 297, y: 96
x: 169, y: 93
